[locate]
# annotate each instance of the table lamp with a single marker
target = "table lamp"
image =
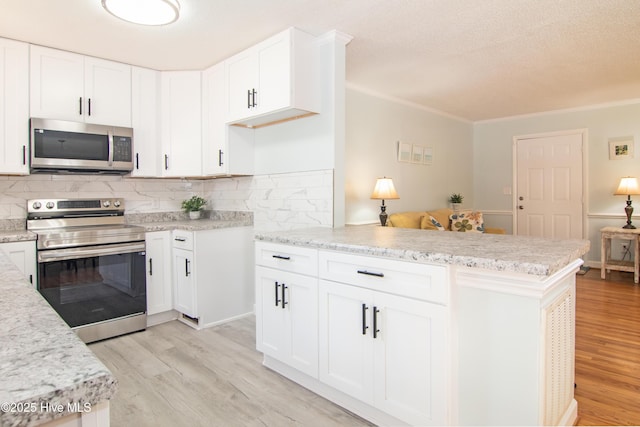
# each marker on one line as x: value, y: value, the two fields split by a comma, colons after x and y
x: 384, y: 189
x: 628, y: 186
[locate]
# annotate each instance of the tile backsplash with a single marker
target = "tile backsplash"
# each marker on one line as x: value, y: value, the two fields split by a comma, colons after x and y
x: 278, y: 201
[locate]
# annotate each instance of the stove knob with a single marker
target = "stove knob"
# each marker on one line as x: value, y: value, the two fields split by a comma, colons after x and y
x: 36, y: 205
x: 106, y: 203
x: 116, y: 203
x: 50, y: 205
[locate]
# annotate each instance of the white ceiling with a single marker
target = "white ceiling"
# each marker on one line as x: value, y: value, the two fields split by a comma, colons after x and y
x: 474, y: 59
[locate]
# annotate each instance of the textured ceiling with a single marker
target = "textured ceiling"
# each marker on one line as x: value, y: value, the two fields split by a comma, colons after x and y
x: 474, y: 59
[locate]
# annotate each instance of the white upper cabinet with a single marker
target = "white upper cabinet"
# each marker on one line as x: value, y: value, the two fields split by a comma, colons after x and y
x: 68, y: 86
x: 14, y: 108
x: 145, y: 88
x: 274, y: 81
x: 181, y: 123
x: 225, y: 150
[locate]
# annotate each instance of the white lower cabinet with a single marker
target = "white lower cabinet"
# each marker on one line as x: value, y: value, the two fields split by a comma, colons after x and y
x: 23, y: 255
x: 288, y: 306
x: 159, y: 289
x: 213, y: 275
x: 385, y: 350
x: 370, y: 334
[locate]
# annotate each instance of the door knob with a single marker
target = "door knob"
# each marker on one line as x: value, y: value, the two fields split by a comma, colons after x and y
x: 521, y: 207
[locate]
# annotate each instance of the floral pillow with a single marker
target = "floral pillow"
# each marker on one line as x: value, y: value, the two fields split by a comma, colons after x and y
x: 467, y: 222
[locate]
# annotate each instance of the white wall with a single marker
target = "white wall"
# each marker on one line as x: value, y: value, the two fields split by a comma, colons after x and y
x: 374, y: 127
x: 494, y: 169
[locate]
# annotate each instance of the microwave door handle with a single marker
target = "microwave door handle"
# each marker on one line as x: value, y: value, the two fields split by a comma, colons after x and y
x: 110, y: 136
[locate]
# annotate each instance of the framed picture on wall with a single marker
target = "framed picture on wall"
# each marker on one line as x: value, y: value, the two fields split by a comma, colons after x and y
x: 404, y: 152
x: 427, y: 156
x: 416, y: 153
x: 621, y: 148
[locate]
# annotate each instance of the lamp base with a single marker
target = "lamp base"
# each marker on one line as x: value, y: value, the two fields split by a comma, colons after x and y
x: 383, y: 215
x: 629, y: 211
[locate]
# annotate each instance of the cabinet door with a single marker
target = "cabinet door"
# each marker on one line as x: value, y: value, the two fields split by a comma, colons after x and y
x: 159, y: 289
x: 184, y: 284
x: 288, y: 313
x: 242, y: 80
x: 346, y: 361
x: 410, y: 359
x: 14, y: 108
x: 57, y: 84
x: 274, y: 63
x: 145, y: 86
x: 181, y: 123
x: 214, y: 135
x: 107, y: 92
x: 23, y: 255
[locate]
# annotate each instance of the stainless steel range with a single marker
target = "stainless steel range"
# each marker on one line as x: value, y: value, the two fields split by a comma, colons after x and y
x: 91, y: 265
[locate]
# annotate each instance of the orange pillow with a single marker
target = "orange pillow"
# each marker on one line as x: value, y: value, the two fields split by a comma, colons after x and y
x: 430, y: 223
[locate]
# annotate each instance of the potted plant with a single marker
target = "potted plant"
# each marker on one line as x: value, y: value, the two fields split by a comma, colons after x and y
x: 194, y: 206
x: 456, y: 201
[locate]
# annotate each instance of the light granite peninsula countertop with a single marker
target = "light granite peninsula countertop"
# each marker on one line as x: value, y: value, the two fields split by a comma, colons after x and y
x: 179, y: 221
x: 46, y: 371
x: 518, y: 254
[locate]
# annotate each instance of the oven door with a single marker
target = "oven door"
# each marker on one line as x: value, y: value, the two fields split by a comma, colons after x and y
x: 93, y: 284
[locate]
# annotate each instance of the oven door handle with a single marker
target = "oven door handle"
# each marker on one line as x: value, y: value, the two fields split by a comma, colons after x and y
x: 88, y: 252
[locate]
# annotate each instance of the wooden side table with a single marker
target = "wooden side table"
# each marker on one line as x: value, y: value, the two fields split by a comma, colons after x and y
x: 608, y: 264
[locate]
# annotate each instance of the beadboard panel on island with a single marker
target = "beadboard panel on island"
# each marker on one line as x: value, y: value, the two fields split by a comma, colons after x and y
x: 279, y: 201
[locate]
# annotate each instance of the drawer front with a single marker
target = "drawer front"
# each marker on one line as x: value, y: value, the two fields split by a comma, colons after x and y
x: 287, y: 258
x: 182, y: 239
x: 413, y: 280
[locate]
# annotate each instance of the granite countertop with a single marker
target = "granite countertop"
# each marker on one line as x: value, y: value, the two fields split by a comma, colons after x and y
x: 179, y: 221
x: 518, y: 254
x: 16, y: 236
x: 44, y: 366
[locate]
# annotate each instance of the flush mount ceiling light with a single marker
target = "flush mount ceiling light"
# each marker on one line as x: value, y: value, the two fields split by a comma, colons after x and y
x: 145, y: 12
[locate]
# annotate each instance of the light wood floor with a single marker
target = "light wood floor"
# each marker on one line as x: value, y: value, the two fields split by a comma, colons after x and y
x: 172, y: 375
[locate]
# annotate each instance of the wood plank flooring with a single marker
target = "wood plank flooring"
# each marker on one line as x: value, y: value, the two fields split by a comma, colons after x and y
x: 172, y: 375
x: 608, y: 349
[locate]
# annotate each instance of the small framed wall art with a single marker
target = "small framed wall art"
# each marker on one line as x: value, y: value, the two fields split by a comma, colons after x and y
x: 621, y: 148
x: 415, y: 153
x: 404, y: 152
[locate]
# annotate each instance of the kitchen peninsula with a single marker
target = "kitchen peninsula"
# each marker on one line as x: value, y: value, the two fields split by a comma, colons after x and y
x: 46, y: 372
x: 417, y: 327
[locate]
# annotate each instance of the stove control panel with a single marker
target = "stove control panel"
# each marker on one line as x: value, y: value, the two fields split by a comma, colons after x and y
x: 63, y: 206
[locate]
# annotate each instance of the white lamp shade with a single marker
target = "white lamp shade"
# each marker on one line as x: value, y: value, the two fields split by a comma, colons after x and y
x: 384, y: 189
x: 628, y: 186
x: 145, y: 12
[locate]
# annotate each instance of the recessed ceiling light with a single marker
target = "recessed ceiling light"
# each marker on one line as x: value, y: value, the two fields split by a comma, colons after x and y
x: 145, y: 12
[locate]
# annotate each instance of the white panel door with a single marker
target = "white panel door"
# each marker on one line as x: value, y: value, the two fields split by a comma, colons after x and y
x: 107, y: 89
x: 410, y: 359
x: 14, y: 107
x: 57, y: 84
x: 159, y: 289
x: 346, y: 359
x: 549, y: 186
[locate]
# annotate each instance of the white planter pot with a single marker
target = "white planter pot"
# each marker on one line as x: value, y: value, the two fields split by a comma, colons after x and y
x: 195, y: 214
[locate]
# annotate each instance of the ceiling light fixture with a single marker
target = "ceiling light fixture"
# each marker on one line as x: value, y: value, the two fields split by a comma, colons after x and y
x: 144, y: 12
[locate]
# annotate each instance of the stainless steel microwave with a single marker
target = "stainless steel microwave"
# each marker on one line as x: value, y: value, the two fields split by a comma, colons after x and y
x: 62, y: 146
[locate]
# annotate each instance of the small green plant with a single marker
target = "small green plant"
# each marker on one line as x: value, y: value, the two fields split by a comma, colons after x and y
x: 456, y: 198
x: 193, y: 204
